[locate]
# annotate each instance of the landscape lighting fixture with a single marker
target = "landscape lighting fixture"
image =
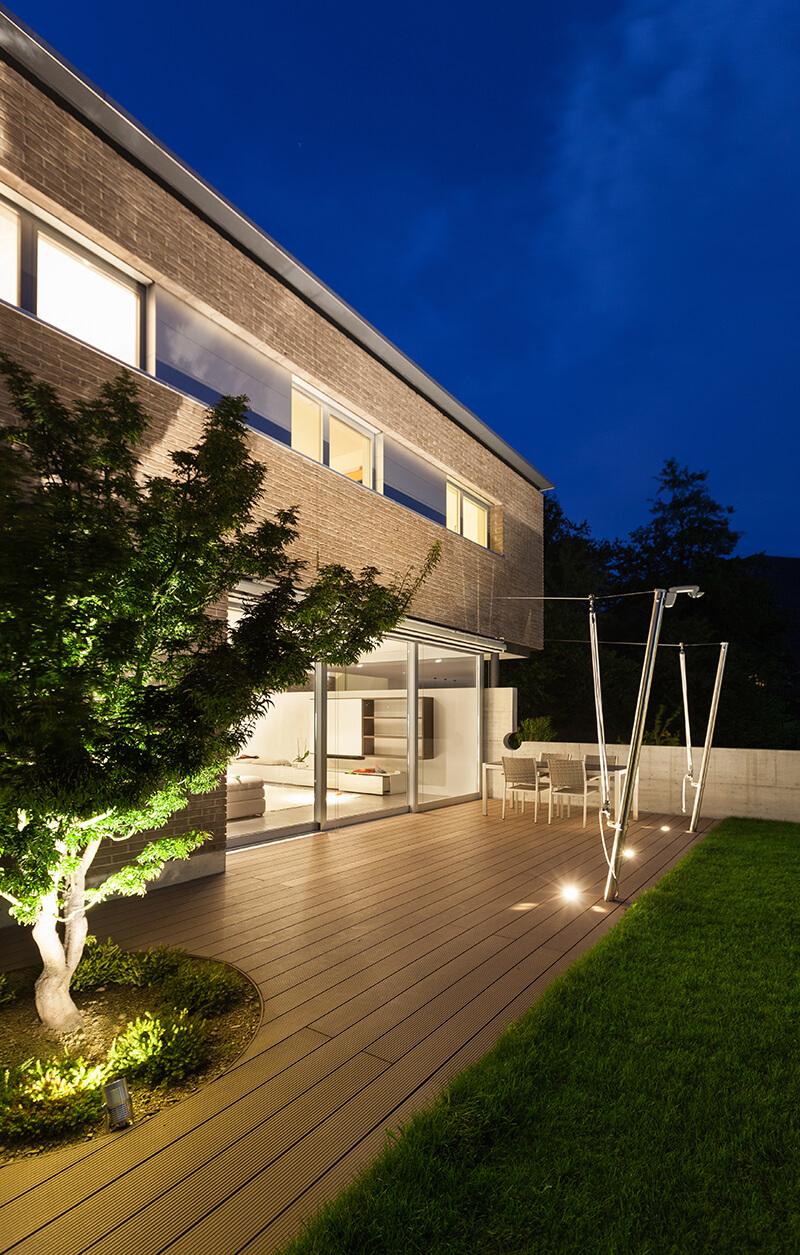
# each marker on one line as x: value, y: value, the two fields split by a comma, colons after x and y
x: 118, y: 1104
x: 571, y: 893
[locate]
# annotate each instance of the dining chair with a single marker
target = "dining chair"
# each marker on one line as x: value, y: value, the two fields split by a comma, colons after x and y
x: 521, y: 776
x: 568, y: 780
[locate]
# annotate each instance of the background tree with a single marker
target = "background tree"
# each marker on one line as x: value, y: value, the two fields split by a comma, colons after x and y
x: 119, y: 694
x: 688, y: 532
x: 558, y: 680
x: 689, y: 539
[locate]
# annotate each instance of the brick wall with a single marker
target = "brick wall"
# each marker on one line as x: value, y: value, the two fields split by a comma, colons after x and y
x: 62, y: 167
x: 205, y: 811
x: 118, y: 206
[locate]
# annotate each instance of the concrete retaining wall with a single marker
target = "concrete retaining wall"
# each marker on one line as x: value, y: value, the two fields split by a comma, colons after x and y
x: 756, y: 784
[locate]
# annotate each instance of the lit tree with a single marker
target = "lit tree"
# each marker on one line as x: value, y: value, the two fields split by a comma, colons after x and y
x: 120, y: 694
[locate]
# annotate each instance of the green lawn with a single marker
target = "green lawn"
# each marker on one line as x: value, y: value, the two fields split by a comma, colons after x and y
x: 648, y: 1103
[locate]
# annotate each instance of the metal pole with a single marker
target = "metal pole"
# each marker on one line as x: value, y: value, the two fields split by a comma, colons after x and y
x: 320, y: 743
x: 712, y: 719
x: 626, y: 806
x: 413, y: 748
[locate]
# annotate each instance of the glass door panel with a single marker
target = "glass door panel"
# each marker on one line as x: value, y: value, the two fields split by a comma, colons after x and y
x: 448, y: 765
x: 368, y: 735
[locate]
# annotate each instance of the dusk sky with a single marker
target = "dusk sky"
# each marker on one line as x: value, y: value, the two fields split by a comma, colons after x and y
x: 581, y: 217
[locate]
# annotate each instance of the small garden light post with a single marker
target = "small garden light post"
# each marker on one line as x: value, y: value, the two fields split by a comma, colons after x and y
x: 119, y: 1106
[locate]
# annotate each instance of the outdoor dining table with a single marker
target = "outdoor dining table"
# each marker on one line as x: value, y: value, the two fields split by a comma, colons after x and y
x: 617, y: 770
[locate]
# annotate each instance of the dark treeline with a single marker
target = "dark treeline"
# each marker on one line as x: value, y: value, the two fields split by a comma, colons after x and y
x: 688, y: 540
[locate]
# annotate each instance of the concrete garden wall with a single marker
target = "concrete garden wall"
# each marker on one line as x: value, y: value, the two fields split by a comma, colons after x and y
x: 757, y: 784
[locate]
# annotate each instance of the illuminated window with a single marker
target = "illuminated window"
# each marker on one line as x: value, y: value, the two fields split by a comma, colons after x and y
x: 9, y: 255
x: 69, y: 286
x: 350, y: 452
x: 467, y: 515
x: 324, y: 434
x: 87, y: 300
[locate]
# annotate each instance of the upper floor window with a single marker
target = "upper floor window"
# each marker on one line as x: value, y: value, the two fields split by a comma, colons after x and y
x: 87, y: 300
x: 9, y: 255
x: 322, y: 432
x: 69, y: 287
x: 467, y: 515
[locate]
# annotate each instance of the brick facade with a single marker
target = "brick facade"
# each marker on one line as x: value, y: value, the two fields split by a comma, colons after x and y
x: 65, y: 167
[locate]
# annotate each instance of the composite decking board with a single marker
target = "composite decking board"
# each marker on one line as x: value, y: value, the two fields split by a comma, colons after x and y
x: 300, y: 1165
x: 239, y: 1105
x: 364, y: 906
x: 344, y: 930
x: 460, y: 843
x: 499, y: 892
x: 501, y: 982
x: 230, y: 929
x: 165, y: 1211
x: 458, y: 915
x: 473, y: 996
x: 343, y: 1173
x: 391, y: 957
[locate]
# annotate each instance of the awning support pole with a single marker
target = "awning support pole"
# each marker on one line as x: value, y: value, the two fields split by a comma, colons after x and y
x: 634, y: 753
x: 712, y: 719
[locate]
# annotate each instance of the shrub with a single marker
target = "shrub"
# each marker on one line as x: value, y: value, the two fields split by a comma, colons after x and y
x: 539, y: 729
x: 158, y: 963
x: 202, y: 988
x: 41, y: 1100
x: 662, y: 733
x: 159, y: 1048
x: 104, y: 963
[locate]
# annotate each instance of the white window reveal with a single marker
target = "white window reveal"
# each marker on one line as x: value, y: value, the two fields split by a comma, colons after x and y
x: 87, y: 300
x: 326, y: 434
x: 306, y: 425
x: 467, y: 515
x: 9, y: 255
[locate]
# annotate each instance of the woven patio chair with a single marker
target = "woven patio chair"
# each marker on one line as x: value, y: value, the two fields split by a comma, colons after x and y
x: 521, y: 776
x: 568, y: 780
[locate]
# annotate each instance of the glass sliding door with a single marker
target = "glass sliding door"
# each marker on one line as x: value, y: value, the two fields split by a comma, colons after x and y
x: 368, y: 735
x: 271, y: 784
x: 448, y: 750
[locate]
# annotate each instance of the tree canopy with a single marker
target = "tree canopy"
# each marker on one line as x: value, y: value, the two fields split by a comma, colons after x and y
x: 121, y: 691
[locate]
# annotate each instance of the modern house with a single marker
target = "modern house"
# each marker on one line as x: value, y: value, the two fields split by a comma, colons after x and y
x: 113, y: 252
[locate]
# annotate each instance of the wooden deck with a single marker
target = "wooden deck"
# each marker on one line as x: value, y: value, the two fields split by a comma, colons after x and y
x: 389, y: 956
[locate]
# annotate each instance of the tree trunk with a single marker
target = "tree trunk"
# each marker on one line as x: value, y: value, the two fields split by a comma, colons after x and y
x: 53, y: 1001
x: 54, y: 1004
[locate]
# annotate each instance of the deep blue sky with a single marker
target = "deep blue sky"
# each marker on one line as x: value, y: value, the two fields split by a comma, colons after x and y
x: 582, y: 217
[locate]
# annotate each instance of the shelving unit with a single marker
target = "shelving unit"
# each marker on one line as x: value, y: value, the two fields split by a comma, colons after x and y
x: 384, y: 724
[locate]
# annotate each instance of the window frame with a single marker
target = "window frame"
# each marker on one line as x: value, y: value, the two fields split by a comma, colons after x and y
x: 465, y: 494
x: 330, y: 410
x: 31, y: 226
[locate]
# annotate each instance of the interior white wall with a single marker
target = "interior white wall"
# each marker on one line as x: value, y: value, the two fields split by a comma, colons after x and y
x: 453, y: 772
x: 287, y: 730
